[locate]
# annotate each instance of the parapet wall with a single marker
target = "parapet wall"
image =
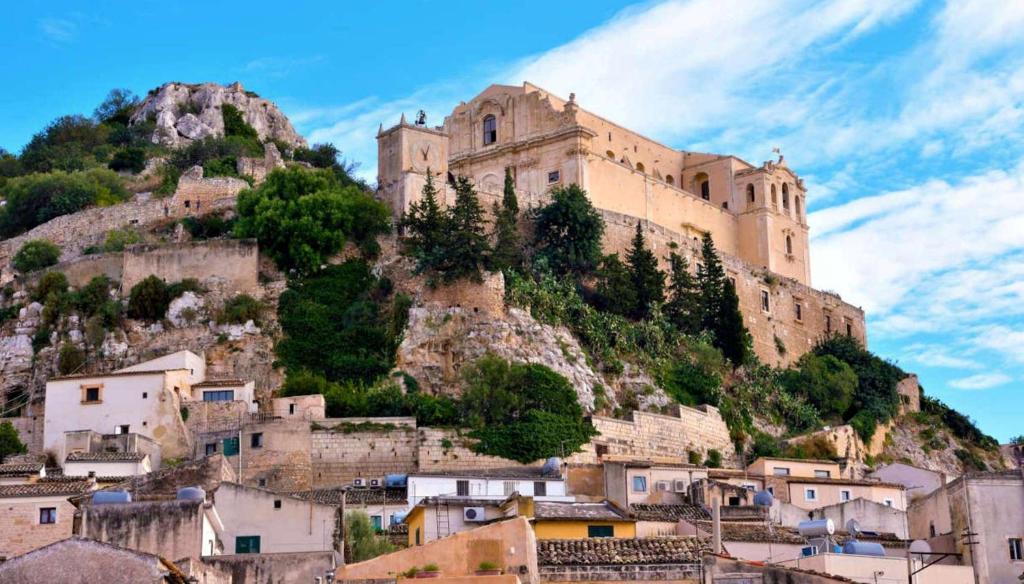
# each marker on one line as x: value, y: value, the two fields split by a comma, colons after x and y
x: 339, y: 456
x: 646, y: 435
x: 232, y: 262
x: 172, y: 529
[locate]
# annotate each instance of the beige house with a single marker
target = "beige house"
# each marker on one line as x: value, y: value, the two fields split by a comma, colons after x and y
x: 814, y: 493
x: 90, y: 561
x: 662, y: 481
x: 260, y: 521
x: 37, y: 514
x: 918, y: 481
x: 795, y: 467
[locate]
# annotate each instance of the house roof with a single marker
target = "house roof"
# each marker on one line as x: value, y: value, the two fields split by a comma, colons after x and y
x: 607, y: 551
x: 104, y: 457
x: 370, y: 496
x: 885, y: 538
x: 115, y: 374
x: 220, y: 383
x: 830, y: 481
x: 45, y: 489
x: 58, y: 555
x: 509, y: 472
x: 673, y: 513
x: 20, y: 469
x: 781, y: 459
x: 755, y: 532
x: 603, y: 511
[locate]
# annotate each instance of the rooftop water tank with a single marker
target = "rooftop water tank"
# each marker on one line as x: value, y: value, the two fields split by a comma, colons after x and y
x: 398, y: 518
x: 863, y: 548
x: 191, y: 494
x: 111, y: 497
x: 552, y: 466
x: 816, y: 528
x: 764, y: 499
x: 395, y: 480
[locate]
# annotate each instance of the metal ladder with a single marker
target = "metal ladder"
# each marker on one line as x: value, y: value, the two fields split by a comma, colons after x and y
x: 441, y: 517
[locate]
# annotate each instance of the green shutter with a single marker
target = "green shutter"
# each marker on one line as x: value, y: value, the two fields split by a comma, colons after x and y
x: 247, y: 544
x: 600, y: 531
x: 230, y: 446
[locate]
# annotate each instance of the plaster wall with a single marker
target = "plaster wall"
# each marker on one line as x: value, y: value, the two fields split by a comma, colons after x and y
x: 171, y: 529
x: 292, y: 526
x: 231, y: 263
x: 20, y: 530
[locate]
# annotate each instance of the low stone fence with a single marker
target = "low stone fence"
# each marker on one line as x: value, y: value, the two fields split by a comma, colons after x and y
x: 630, y: 573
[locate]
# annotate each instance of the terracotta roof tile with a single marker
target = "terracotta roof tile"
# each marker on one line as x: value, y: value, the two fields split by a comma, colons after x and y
x: 607, y: 551
x: 355, y: 496
x: 651, y: 512
x: 45, y: 489
x: 754, y: 532
x: 589, y: 511
x: 104, y: 457
x: 19, y: 469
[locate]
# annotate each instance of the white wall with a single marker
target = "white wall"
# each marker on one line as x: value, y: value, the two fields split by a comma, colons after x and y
x: 106, y: 468
x: 195, y: 364
x: 479, y: 488
x: 298, y: 526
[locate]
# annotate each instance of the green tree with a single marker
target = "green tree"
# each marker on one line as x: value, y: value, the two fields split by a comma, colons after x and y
x: 329, y: 157
x: 70, y: 359
x: 117, y: 107
x: 683, y: 308
x: 464, y: 251
x: 508, y: 246
x: 720, y: 313
x: 10, y: 443
x: 149, y: 299
x: 828, y: 383
x: 37, y: 198
x: 568, y: 232
x: 424, y: 227
x: 35, y: 255
x: 734, y: 339
x: 648, y: 280
x: 235, y: 124
x: 131, y: 159
x: 615, y: 292
x: 303, y: 217
x: 67, y: 144
x: 363, y: 541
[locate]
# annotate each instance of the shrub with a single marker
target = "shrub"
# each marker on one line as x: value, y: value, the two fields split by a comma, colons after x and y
x: 235, y: 124
x: 10, y: 443
x: 362, y: 539
x: 51, y: 285
x: 960, y: 425
x: 714, y: 459
x: 37, y: 198
x: 487, y: 566
x: 187, y: 285
x: 35, y: 255
x: 692, y: 385
x: 693, y: 457
x: 827, y: 383
x: 41, y: 339
x: 70, y: 359
x: 816, y: 447
x: 208, y: 226
x: 149, y: 299
x: 131, y: 159
x: 876, y: 399
x: 241, y: 309
x: 118, y: 239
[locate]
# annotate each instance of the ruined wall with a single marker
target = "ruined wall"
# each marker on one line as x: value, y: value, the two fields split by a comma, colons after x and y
x: 171, y: 529
x: 82, y: 269
x: 196, y: 195
x: 646, y: 434
x: 232, y: 262
x: 910, y: 394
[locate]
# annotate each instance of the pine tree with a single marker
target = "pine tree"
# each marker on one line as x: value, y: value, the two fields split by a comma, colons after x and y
x: 615, y: 291
x: 568, y: 232
x: 683, y: 308
x: 733, y: 338
x: 711, y: 283
x: 720, y: 313
x: 424, y: 226
x: 463, y: 249
x: 508, y: 248
x: 648, y: 280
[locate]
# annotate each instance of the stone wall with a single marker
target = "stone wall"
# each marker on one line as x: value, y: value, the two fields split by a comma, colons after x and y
x: 339, y: 456
x: 197, y: 195
x: 82, y: 269
x: 171, y: 529
x: 645, y: 434
x: 444, y: 450
x: 631, y: 573
x: 232, y: 262
x: 30, y: 432
x: 487, y: 298
x: 20, y: 531
x: 910, y: 394
x: 274, y: 568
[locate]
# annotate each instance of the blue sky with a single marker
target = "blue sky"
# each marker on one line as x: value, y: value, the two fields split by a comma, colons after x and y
x: 905, y: 117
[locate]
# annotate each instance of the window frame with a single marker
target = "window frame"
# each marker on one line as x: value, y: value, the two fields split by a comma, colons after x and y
x: 638, y: 480
x: 490, y: 134
x: 597, y: 531
x: 540, y: 488
x: 211, y: 448
x: 92, y: 387
x: 1016, y: 548
x: 781, y: 471
x: 798, y: 311
x: 766, y: 301
x: 214, y: 395
x: 810, y: 494
x: 248, y: 540
x: 462, y: 488
x: 845, y: 495
x: 554, y: 177
x: 822, y: 474
x: 256, y: 440
x: 47, y: 516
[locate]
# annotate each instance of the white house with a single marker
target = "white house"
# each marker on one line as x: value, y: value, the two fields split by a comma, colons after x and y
x: 195, y: 364
x: 107, y: 464
x: 226, y: 390
x: 261, y: 521
x: 489, y: 484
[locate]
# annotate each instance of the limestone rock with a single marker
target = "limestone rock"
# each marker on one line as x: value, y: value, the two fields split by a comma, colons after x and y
x: 185, y: 112
x: 185, y: 310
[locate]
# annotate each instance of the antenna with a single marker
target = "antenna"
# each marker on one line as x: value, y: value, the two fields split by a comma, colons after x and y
x: 853, y: 528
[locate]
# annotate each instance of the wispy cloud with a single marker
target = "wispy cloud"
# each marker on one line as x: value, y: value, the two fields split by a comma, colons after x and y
x: 981, y: 381
x: 280, y: 67
x: 58, y: 30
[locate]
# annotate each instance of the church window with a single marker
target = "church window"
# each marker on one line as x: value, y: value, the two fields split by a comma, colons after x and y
x: 785, y: 196
x: 750, y: 193
x: 490, y: 130
x: 640, y: 166
x: 789, y: 244
x: 798, y: 310
x: 828, y: 323
x: 775, y: 198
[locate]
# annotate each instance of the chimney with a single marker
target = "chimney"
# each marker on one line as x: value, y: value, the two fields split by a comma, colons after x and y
x: 716, y: 526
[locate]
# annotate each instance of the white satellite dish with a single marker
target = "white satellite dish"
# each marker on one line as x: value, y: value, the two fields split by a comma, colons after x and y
x: 853, y: 528
x: 920, y: 546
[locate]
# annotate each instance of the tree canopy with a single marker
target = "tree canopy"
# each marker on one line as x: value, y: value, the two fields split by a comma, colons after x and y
x: 568, y: 231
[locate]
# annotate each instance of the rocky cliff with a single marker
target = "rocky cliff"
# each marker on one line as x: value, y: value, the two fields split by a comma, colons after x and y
x: 186, y: 112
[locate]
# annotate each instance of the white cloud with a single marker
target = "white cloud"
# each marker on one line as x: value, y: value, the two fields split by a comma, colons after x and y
x: 981, y: 381
x: 279, y: 67
x: 59, y: 30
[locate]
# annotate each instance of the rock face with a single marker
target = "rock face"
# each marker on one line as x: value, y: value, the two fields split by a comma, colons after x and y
x: 186, y: 112
x: 439, y: 341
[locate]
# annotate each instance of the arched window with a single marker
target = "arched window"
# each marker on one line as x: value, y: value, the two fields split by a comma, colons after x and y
x: 785, y: 196
x: 789, y: 244
x: 750, y: 193
x: 702, y: 185
x: 670, y: 180
x: 640, y: 166
x: 490, y: 130
x: 775, y: 198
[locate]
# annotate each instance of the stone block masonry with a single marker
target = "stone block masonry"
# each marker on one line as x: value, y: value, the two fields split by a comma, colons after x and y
x: 232, y: 262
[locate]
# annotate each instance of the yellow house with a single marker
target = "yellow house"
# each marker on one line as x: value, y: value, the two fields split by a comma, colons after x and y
x: 795, y: 467
x: 581, y: 520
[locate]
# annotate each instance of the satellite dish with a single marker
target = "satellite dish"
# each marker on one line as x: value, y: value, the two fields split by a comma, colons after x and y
x: 920, y: 546
x: 853, y: 528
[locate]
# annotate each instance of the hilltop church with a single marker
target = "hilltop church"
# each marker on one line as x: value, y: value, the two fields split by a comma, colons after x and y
x: 755, y: 214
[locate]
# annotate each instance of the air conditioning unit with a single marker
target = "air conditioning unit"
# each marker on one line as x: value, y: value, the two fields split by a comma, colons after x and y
x: 662, y: 485
x: 811, y: 550
x: 376, y: 482
x: 359, y: 482
x: 679, y: 486
x: 472, y: 514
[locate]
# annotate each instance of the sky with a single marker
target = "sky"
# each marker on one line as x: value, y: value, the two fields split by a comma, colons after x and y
x: 905, y: 118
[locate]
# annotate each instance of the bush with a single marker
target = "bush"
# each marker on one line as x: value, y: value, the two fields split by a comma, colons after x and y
x: 149, y: 299
x: 187, y: 285
x: 131, y: 159
x: 118, y: 239
x: 235, y: 124
x: 692, y: 385
x: 714, y: 459
x: 37, y: 198
x: 362, y: 539
x: 241, y: 309
x: 10, y: 443
x: 537, y: 435
x: 816, y: 447
x: 960, y: 425
x: 208, y: 226
x: 827, y: 383
x: 52, y: 285
x: 70, y: 359
x: 35, y: 255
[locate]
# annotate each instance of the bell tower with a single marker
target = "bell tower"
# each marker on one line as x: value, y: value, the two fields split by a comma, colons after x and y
x: 405, y: 153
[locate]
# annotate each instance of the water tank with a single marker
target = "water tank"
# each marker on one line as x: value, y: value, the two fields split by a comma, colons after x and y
x: 764, y: 499
x: 110, y: 497
x: 191, y: 494
x: 816, y: 528
x: 863, y: 548
x: 395, y: 480
x: 398, y: 518
x: 552, y: 466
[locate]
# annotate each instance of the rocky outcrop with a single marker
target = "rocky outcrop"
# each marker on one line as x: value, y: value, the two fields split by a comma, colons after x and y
x: 186, y: 112
x: 439, y: 341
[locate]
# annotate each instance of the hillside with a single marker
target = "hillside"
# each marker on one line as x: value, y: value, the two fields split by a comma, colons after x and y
x: 488, y: 322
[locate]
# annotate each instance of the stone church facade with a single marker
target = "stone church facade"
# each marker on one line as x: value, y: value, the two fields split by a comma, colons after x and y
x: 755, y: 214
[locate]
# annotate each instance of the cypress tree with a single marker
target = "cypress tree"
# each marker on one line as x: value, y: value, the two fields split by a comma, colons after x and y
x: 648, y: 280
x: 720, y: 313
x: 733, y: 338
x: 711, y: 283
x: 424, y: 226
x: 463, y: 249
x: 508, y: 250
x: 683, y: 308
x: 568, y: 232
x: 615, y: 291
